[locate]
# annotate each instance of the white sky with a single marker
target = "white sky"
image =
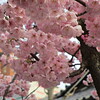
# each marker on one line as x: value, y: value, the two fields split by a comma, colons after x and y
x: 2, y: 1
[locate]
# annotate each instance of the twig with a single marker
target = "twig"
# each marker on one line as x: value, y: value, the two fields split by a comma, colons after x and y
x: 76, y: 84
x: 34, y: 56
x: 74, y: 54
x: 66, y: 51
x: 4, y: 66
x: 22, y: 91
x: 77, y: 72
x: 31, y: 93
x: 81, y: 2
x: 74, y: 65
x: 71, y: 88
x: 81, y: 13
x: 46, y: 92
x: 7, y: 89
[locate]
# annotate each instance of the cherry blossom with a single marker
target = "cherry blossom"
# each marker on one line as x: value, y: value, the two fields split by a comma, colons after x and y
x: 36, y: 34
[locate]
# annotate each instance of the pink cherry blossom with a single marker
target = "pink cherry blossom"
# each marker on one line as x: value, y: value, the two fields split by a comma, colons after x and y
x: 35, y: 35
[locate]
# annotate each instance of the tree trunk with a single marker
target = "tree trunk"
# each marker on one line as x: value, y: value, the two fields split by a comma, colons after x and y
x: 50, y: 93
x: 91, y: 59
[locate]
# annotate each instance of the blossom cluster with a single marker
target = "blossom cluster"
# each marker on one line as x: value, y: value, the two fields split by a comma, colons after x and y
x: 18, y: 87
x: 92, y: 22
x: 91, y: 17
x: 87, y: 82
x: 35, y: 41
x: 35, y: 31
x: 52, y: 18
x: 35, y: 34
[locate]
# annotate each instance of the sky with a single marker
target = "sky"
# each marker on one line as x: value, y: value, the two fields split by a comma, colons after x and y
x: 2, y: 1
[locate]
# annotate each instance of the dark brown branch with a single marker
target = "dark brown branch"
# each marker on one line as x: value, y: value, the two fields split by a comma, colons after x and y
x: 35, y: 27
x: 74, y: 54
x: 77, y: 72
x: 66, y: 51
x: 81, y: 22
x: 81, y: 13
x: 73, y: 65
x: 34, y: 56
x: 81, y: 2
x: 91, y: 59
x: 8, y: 87
x: 69, y: 53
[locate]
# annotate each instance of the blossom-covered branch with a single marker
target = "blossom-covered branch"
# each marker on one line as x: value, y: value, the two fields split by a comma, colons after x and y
x: 7, y: 89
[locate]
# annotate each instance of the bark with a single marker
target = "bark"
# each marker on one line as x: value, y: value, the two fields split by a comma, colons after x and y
x: 91, y: 60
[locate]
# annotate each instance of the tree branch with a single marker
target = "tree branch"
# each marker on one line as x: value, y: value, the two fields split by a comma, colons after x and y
x: 8, y: 87
x: 74, y: 65
x: 69, y: 91
x: 66, y: 51
x: 91, y: 58
x: 74, y: 54
x: 77, y: 72
x: 81, y: 22
x: 31, y: 93
x: 81, y: 13
x: 81, y: 2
